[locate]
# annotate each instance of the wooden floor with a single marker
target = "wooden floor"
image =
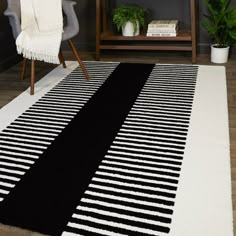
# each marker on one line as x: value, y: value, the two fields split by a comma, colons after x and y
x: 11, y: 86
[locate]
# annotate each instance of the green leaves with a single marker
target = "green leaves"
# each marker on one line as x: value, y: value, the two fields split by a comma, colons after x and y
x: 220, y: 22
x: 132, y: 13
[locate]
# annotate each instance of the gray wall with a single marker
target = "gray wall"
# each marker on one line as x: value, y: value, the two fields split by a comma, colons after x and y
x: 179, y: 9
x: 158, y: 9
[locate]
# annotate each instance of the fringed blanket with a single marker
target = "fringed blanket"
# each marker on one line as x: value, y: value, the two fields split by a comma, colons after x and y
x: 42, y: 26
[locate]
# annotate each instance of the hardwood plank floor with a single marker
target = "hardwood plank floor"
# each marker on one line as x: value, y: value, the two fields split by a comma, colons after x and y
x: 11, y: 86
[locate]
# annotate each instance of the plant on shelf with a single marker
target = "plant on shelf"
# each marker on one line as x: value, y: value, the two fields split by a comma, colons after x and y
x: 220, y: 23
x: 131, y: 16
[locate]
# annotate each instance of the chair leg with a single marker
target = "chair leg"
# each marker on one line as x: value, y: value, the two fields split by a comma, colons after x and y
x: 62, y: 60
x: 23, y: 68
x: 32, y: 77
x: 78, y: 59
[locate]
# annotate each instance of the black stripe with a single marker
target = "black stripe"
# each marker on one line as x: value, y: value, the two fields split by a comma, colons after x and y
x: 73, y: 156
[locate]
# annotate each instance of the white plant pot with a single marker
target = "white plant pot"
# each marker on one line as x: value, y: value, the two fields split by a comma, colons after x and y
x: 219, y: 55
x: 128, y: 29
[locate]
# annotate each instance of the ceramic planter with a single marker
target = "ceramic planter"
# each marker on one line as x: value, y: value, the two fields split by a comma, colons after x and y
x: 219, y: 55
x: 128, y: 29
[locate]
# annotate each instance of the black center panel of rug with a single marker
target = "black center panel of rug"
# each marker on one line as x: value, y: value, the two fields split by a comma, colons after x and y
x: 47, y: 195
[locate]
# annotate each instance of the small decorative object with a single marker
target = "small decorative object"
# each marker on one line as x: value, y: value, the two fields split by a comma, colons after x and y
x: 220, y: 24
x: 129, y: 19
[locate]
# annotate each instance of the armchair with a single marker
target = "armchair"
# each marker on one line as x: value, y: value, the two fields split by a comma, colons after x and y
x: 70, y: 30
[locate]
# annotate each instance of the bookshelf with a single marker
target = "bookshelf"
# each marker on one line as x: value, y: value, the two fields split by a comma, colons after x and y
x: 106, y: 39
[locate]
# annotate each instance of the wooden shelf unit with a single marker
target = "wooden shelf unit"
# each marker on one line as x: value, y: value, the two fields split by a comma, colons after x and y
x: 107, y: 40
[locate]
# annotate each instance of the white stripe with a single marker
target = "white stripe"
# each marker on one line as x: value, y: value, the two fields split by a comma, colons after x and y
x: 43, y: 114
x: 91, y: 229
x: 135, y: 193
x: 156, y: 131
x: 117, y: 225
x: 155, y: 157
x: 39, y: 124
x: 156, y: 115
x: 23, y: 144
x: 51, y: 110
x: 27, y: 140
x: 29, y: 136
x: 120, y: 183
x: 165, y: 96
x: 19, y: 154
x: 12, y: 171
x: 23, y: 127
x: 16, y: 159
x: 91, y: 87
x: 21, y: 149
x: 151, y: 133
x: 140, y: 166
x: 162, y: 109
x: 75, y: 94
x: 161, y: 95
x: 152, y: 124
x: 70, y: 234
x: 142, y: 161
x: 14, y: 165
x: 4, y: 191
x: 134, y: 178
x: 124, y: 199
x: 147, y: 151
x: 163, y: 140
x: 139, y: 140
x: 58, y: 95
x: 79, y: 98
x: 54, y: 103
x: 156, y: 90
x: 1, y: 199
x: 21, y: 118
x: 144, y: 145
x: 71, y: 93
x: 151, y: 96
x: 61, y: 103
x: 7, y: 184
x: 38, y: 117
x: 71, y: 107
x: 9, y: 177
x: 118, y: 215
x: 134, y: 172
x: 33, y: 132
x: 123, y: 207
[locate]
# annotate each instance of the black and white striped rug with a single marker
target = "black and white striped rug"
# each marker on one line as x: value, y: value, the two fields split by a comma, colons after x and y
x: 140, y: 149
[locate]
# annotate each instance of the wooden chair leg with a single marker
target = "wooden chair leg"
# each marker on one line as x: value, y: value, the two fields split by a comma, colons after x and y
x: 23, y: 68
x: 32, y: 77
x: 78, y: 59
x: 62, y: 59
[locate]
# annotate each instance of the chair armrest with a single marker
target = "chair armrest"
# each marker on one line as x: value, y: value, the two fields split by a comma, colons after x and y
x: 71, y: 27
x: 14, y: 16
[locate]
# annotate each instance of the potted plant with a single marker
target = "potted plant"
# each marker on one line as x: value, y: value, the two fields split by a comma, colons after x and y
x: 220, y: 23
x: 129, y: 19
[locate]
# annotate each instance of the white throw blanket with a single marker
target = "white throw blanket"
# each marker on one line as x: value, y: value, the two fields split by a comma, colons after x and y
x: 42, y: 27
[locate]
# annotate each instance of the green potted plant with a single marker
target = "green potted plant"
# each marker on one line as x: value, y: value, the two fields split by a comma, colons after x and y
x: 129, y: 19
x: 220, y: 23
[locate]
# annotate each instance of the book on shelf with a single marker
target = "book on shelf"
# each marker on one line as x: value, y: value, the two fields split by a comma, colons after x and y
x: 163, y: 23
x: 161, y: 34
x: 162, y: 30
